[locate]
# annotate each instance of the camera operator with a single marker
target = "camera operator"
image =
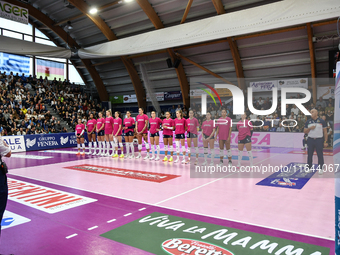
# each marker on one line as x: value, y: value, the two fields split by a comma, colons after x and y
x: 5, y: 151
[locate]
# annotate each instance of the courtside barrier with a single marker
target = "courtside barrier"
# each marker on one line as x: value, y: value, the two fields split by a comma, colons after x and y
x: 51, y: 141
x: 66, y: 140
x: 263, y: 139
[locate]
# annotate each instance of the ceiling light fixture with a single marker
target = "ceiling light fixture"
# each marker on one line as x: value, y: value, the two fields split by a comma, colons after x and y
x: 69, y: 25
x: 93, y: 10
x: 128, y: 1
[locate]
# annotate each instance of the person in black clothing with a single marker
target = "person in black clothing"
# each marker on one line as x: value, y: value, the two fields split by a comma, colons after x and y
x: 5, y: 151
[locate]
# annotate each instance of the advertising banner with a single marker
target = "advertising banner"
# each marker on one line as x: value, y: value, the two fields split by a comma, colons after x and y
x: 11, y: 219
x: 159, y: 96
x: 262, y: 139
x: 173, y: 95
x: 326, y: 92
x: 57, y: 201
x: 16, y: 143
x: 117, y: 99
x: 13, y: 12
x: 291, y: 176
x: 296, y: 83
x: 169, y: 234
x: 261, y: 86
x: 129, y: 99
x: 14, y: 63
x: 51, y: 141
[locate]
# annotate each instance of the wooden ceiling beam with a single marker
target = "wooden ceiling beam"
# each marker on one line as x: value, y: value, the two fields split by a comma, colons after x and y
x: 219, y: 6
x: 312, y: 60
x: 182, y: 79
x: 48, y: 22
x: 107, y: 62
x: 186, y: 12
x: 203, y: 68
x: 150, y: 12
x: 146, y: 54
x: 105, y: 29
x: 101, y: 8
x: 237, y: 62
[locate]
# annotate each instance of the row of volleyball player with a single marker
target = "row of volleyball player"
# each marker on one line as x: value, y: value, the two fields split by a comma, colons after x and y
x: 105, y: 135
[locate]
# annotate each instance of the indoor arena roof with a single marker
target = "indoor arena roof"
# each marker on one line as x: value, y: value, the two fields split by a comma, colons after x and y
x: 284, y: 53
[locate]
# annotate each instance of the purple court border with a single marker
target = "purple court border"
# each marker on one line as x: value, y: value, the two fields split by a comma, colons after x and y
x: 150, y: 209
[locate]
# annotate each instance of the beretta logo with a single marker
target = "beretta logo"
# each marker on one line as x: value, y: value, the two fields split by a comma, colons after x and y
x: 188, y: 246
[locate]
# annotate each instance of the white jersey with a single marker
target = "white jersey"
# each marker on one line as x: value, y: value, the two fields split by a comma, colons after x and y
x: 4, y: 150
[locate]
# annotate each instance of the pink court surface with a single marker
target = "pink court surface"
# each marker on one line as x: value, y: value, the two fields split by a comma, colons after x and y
x: 102, y: 205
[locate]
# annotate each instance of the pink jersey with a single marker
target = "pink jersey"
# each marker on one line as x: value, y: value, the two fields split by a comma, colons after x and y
x: 100, y: 122
x: 224, y: 125
x: 108, y: 126
x: 180, y: 125
x: 168, y: 123
x: 192, y: 125
x: 128, y: 122
x: 117, y: 123
x: 208, y: 127
x: 141, y: 123
x: 91, y: 124
x: 154, y: 124
x: 243, y: 129
x: 80, y: 128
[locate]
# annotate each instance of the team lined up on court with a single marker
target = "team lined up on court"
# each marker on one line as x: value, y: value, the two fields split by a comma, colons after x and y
x: 105, y: 135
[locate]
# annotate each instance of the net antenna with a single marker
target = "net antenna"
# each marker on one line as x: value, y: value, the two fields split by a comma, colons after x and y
x: 149, y: 89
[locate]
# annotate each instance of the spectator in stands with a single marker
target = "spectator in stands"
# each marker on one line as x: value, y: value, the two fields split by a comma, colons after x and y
x: 266, y: 125
x: 162, y: 117
x: 330, y: 117
x: 331, y: 101
x: 260, y: 101
x: 295, y: 110
x: 21, y: 131
x: 329, y: 108
x: 300, y: 125
x: 272, y: 129
x: 280, y: 128
x: 58, y: 127
x: 329, y: 129
x: 321, y: 103
x: 257, y: 124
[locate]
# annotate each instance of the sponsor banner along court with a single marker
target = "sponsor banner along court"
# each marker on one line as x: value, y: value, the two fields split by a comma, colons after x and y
x: 160, y: 233
x: 51, y: 141
x: 126, y: 173
x: 16, y: 143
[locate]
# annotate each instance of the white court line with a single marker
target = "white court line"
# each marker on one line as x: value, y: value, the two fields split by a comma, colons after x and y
x: 127, y: 214
x: 176, y: 209
x: 68, y: 237
x: 188, y: 191
x: 141, y: 209
x: 92, y: 227
x: 109, y: 221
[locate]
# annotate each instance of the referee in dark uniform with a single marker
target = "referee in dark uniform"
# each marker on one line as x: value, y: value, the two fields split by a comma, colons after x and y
x: 316, y: 128
x: 5, y: 151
